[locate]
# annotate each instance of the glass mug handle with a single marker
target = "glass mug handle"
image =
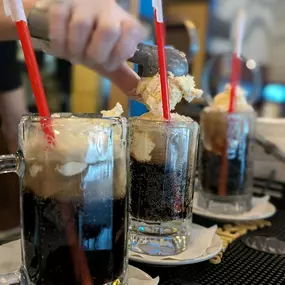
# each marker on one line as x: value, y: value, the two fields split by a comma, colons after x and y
x: 11, y: 163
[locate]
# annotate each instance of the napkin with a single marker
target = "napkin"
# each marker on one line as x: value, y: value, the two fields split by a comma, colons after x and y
x: 135, y: 281
x: 138, y: 277
x: 260, y: 205
x: 200, y: 244
x: 10, y: 257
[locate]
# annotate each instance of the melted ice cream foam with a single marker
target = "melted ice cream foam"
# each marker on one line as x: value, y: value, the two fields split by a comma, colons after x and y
x: 82, y: 153
x: 215, y: 122
x: 79, y: 140
x: 150, y: 140
x: 159, y: 117
x: 117, y: 111
x: 146, y: 144
x: 179, y: 87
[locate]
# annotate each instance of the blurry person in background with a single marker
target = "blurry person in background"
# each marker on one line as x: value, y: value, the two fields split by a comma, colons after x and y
x: 12, y: 97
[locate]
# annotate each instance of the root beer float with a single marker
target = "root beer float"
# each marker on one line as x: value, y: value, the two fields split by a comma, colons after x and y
x: 84, y: 171
x: 162, y: 166
x: 225, y: 154
x: 154, y: 175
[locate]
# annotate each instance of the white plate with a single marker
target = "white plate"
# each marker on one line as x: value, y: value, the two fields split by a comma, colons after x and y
x: 211, y: 252
x: 262, y: 209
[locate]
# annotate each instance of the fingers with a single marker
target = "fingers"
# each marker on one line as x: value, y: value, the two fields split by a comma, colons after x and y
x: 103, y: 39
x: 114, y: 40
x: 98, y: 33
x: 59, y: 14
x: 132, y: 34
x: 78, y: 35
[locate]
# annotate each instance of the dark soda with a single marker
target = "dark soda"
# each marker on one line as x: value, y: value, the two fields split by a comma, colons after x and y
x: 100, y: 230
x: 159, y: 193
x: 211, y: 167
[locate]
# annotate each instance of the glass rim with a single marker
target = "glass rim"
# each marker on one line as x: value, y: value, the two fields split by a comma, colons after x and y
x: 251, y: 113
x: 174, y: 124
x: 36, y: 118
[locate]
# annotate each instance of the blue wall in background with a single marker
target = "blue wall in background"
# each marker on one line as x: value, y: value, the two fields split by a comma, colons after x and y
x: 146, y: 8
x: 137, y: 109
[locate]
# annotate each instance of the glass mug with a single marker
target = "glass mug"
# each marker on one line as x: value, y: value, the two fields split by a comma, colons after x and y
x: 74, y: 199
x: 226, y: 161
x: 162, y: 172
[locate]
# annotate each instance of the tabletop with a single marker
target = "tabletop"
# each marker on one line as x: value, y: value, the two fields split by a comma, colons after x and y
x: 240, y: 264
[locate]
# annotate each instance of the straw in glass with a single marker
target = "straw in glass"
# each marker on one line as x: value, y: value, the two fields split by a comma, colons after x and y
x: 160, y: 37
x: 234, y: 80
x: 14, y: 8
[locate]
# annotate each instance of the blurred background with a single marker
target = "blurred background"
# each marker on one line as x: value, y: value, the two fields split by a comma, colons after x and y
x: 75, y: 88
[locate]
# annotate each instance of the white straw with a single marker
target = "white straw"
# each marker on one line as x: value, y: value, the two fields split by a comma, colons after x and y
x: 157, y: 5
x: 240, y: 26
x: 15, y: 10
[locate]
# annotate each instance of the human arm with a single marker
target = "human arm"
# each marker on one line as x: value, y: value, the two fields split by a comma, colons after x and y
x: 12, y: 96
x: 96, y: 33
x: 12, y: 108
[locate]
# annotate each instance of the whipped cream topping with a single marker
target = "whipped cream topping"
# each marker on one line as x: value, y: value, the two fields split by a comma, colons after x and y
x: 117, y: 111
x: 179, y: 87
x: 222, y: 100
x: 216, y: 124
x: 149, y: 145
x: 79, y: 140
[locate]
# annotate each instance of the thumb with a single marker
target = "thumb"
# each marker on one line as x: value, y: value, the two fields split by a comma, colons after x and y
x: 124, y: 78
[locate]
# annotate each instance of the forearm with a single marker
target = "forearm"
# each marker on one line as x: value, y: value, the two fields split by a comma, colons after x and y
x: 7, y: 26
x: 12, y: 104
x: 12, y: 108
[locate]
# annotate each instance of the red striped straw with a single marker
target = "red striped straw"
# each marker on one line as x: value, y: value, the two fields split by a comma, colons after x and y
x: 234, y: 81
x: 160, y: 37
x: 35, y: 79
x: 14, y: 8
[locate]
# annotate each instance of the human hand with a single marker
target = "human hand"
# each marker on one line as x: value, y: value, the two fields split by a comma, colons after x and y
x: 98, y: 33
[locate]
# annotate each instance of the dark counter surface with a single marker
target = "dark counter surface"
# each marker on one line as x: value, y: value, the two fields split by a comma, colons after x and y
x: 240, y: 264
